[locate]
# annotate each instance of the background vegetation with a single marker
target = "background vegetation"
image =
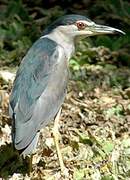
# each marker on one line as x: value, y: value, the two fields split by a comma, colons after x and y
x: 95, y: 120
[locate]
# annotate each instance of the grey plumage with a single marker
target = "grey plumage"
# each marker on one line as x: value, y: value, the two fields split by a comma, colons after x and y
x: 35, y: 98
x: 40, y: 85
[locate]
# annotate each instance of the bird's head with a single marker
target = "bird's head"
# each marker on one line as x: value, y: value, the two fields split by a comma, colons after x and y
x: 77, y: 26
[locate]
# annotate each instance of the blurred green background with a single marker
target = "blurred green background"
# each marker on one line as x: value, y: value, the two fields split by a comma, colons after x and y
x: 22, y: 22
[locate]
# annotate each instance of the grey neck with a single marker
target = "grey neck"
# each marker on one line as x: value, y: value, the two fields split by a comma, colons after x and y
x: 64, y: 41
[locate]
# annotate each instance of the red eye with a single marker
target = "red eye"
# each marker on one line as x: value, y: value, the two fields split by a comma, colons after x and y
x: 80, y: 25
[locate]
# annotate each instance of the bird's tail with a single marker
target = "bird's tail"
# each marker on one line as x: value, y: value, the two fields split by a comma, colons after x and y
x: 31, y: 147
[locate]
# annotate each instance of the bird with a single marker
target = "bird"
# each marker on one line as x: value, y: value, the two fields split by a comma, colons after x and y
x: 40, y: 85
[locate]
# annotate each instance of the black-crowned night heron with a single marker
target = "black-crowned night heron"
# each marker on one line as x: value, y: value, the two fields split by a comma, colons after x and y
x: 41, y: 80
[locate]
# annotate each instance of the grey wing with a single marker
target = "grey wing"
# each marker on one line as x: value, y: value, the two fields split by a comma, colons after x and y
x: 39, y: 90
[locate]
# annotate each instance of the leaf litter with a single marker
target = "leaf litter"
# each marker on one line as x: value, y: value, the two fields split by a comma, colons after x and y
x: 94, y: 137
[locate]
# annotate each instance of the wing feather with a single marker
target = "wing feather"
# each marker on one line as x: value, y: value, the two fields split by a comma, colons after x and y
x: 39, y: 90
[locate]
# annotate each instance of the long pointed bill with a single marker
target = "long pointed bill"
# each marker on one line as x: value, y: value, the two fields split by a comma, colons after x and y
x: 100, y: 29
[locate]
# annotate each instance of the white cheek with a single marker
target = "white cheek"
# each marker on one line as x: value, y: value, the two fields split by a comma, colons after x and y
x: 68, y: 29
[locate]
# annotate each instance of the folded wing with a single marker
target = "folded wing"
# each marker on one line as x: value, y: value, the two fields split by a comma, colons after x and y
x: 38, y: 92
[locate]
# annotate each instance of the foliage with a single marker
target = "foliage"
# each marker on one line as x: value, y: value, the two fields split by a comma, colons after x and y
x: 96, y: 114
x: 22, y: 23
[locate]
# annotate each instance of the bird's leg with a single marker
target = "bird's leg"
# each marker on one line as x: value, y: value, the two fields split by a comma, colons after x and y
x: 29, y: 163
x: 56, y: 140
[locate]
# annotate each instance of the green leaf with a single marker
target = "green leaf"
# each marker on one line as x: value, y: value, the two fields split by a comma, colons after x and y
x: 108, y: 147
x: 126, y: 143
x: 85, y: 139
x: 78, y: 174
x: 74, y: 64
x: 107, y: 178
